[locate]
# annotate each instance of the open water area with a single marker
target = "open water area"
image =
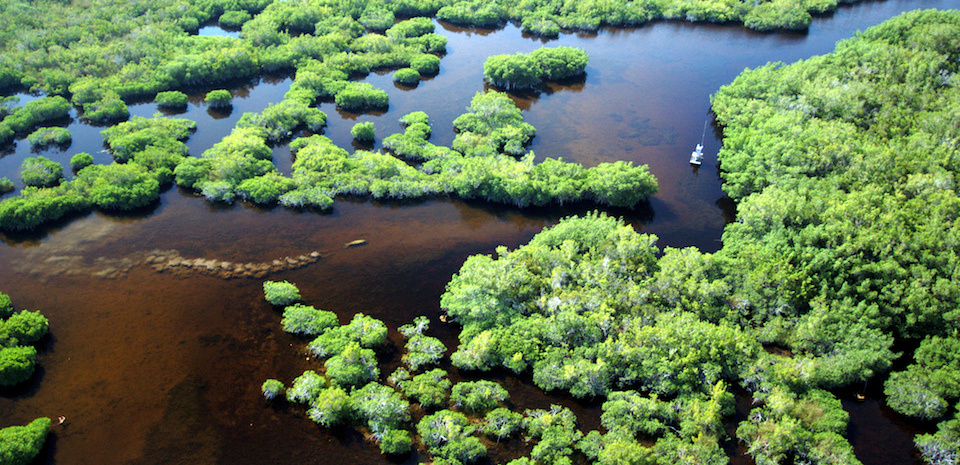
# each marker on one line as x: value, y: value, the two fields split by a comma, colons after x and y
x: 153, y: 366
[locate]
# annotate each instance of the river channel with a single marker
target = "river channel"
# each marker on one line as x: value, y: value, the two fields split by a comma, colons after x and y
x: 165, y: 367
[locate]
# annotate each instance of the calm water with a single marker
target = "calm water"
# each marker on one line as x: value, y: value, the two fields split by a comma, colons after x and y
x: 153, y: 367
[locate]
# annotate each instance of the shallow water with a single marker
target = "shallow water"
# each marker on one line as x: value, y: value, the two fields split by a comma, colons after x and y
x: 165, y: 367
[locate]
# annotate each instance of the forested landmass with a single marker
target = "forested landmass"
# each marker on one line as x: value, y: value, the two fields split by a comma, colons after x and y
x: 844, y: 167
x: 147, y: 151
x: 480, y: 164
x: 101, y: 54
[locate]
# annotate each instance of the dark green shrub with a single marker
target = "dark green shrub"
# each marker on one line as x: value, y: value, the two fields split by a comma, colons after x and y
x: 377, y: 18
x: 363, y: 132
x: 271, y: 388
x: 36, y: 112
x: 24, y: 328
x: 560, y: 62
x: 117, y: 186
x: 43, y: 137
x: 395, y: 442
x: 426, y: 64
x: 280, y: 293
x: 431, y: 389
x: 172, y: 100
x: 362, y: 95
x: 6, y: 306
x: 19, y: 445
x: 36, y: 206
x: 306, y: 320
x: 6, y: 186
x: 234, y: 18
x: 81, y: 161
x: 219, y: 98
x: 16, y: 364
x: 477, y: 396
x: 109, y: 108
x: 40, y: 172
x: 265, y: 189
x: 353, y: 367
x: 407, y: 76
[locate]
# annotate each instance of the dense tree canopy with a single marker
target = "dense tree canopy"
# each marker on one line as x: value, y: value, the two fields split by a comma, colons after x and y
x: 20, y: 444
x: 19, y: 331
x: 529, y: 70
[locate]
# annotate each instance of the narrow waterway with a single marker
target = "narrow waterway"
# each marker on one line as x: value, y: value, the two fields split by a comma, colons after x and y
x: 165, y: 367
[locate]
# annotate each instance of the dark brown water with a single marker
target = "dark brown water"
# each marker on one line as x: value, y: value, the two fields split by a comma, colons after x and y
x: 154, y: 367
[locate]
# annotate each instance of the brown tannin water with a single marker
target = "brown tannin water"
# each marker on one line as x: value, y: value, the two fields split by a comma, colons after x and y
x: 165, y: 366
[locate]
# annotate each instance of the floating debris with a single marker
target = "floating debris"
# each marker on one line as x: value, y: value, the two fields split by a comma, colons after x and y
x: 355, y: 243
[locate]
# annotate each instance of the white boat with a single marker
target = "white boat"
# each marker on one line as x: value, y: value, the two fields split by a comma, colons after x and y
x: 696, y: 157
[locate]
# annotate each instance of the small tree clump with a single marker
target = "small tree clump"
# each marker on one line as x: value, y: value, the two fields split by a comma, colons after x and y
x: 234, y: 18
x: 478, y: 396
x: 406, y: 76
x: 415, y: 117
x: 426, y: 64
x: 6, y: 186
x: 306, y: 320
x: 360, y: 96
x: 19, y: 445
x: 280, y: 293
x: 81, y: 161
x: 363, y: 132
x: 271, y: 389
x: 219, y: 98
x: 395, y: 442
x: 172, y: 100
x: 46, y: 136
x: 40, y: 172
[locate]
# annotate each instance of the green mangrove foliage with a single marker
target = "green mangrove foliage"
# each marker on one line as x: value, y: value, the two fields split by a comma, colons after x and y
x: 521, y: 70
x: 927, y: 388
x: 943, y: 446
x: 239, y: 165
x: 19, y: 445
x: 80, y: 161
x: 282, y: 293
x: 6, y: 186
x: 362, y: 96
x: 845, y: 169
x: 219, y: 98
x: 102, y: 55
x: 407, y: 76
x: 138, y: 50
x: 588, y: 308
x: 48, y: 136
x: 478, y: 166
x: 23, y: 120
x: 19, y: 331
x: 492, y: 124
x: 364, y: 132
x: 451, y: 419
x: 40, y: 172
x: 172, y: 100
